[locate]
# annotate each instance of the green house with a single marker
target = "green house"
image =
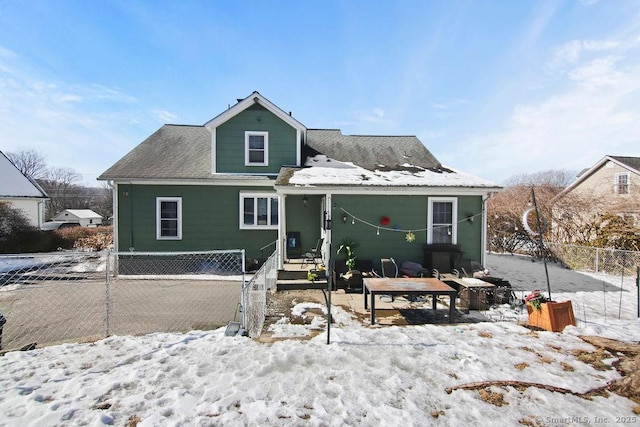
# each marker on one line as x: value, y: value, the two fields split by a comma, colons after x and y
x: 255, y: 178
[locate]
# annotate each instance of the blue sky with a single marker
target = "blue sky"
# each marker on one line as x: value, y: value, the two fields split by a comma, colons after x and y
x: 494, y: 88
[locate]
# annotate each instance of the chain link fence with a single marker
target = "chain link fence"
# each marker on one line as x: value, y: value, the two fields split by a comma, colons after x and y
x: 75, y: 297
x: 254, y: 296
x: 614, y: 262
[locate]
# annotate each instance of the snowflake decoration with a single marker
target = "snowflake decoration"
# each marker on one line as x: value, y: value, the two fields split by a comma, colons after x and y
x: 410, y: 237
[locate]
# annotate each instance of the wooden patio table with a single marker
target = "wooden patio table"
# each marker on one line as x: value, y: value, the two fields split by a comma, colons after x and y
x: 407, y: 286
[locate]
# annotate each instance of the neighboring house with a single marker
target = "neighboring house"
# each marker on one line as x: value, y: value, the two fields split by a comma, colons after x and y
x: 254, y: 175
x: 84, y: 217
x: 612, y: 185
x: 21, y: 192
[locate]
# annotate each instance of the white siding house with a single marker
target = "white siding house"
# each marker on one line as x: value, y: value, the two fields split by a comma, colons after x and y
x: 21, y: 192
x: 84, y: 217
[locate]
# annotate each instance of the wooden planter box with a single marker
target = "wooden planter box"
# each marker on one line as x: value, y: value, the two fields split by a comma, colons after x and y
x: 552, y: 316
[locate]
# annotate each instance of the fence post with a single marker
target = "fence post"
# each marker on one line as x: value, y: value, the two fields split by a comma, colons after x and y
x: 107, y: 296
x: 597, y: 266
x: 243, y: 304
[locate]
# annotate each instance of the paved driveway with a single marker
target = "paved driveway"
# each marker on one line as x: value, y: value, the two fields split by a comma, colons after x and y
x: 527, y: 275
x: 55, y: 311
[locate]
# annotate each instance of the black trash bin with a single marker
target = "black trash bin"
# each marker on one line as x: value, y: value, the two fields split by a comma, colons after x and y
x: 3, y: 320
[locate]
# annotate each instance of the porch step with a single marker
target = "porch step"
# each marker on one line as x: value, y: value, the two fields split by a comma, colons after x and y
x: 294, y: 277
x: 300, y: 284
x: 292, y: 274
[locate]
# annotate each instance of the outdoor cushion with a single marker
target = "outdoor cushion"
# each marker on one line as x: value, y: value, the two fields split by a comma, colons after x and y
x: 411, y: 269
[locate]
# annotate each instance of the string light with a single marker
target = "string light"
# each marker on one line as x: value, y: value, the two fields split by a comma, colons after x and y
x: 398, y: 229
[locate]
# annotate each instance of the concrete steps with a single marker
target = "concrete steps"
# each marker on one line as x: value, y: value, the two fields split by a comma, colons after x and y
x: 294, y: 277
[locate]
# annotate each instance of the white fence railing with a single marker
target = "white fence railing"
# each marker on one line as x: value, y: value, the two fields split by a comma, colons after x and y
x: 74, y: 297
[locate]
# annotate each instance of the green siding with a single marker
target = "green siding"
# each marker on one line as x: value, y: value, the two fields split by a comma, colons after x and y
x: 210, y: 219
x: 406, y: 213
x: 230, y: 143
x: 470, y: 233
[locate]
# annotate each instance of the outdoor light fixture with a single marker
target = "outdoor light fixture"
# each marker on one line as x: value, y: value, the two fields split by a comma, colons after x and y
x: 305, y: 200
x: 470, y: 217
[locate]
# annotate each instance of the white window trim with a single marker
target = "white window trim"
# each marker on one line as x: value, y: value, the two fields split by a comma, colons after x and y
x: 616, y: 183
x: 159, y: 200
x: 454, y: 217
x: 249, y: 133
x: 255, y: 196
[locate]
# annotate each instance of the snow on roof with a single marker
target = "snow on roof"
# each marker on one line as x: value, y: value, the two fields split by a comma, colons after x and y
x: 14, y: 184
x: 322, y: 170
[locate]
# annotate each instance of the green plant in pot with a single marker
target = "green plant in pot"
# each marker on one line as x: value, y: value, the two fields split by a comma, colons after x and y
x: 348, y: 248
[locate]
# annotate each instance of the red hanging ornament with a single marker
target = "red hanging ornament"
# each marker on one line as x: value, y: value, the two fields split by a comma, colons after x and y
x: 385, y: 221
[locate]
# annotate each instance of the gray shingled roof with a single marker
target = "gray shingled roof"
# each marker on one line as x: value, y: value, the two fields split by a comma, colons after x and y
x: 632, y: 162
x: 371, y: 152
x: 173, y: 151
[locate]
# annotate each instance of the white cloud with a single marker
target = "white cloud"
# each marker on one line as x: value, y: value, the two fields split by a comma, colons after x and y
x: 375, y: 115
x: 364, y: 120
x: 165, y: 116
x: 593, y: 110
x: 571, y: 52
x: 71, y: 125
x: 599, y: 72
x: 7, y: 53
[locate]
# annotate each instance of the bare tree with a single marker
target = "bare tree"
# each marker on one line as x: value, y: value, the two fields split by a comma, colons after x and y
x: 506, y: 210
x: 553, y: 179
x: 102, y: 202
x: 29, y: 162
x: 59, y: 183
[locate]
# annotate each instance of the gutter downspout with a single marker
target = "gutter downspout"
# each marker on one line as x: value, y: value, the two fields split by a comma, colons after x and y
x: 483, y: 238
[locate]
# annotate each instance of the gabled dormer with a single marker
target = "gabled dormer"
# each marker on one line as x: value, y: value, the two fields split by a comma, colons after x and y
x: 254, y: 136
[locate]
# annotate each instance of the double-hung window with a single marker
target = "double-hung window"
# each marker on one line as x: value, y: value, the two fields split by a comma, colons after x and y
x: 442, y: 224
x: 169, y: 218
x: 256, y: 151
x: 258, y: 211
x: 622, y: 183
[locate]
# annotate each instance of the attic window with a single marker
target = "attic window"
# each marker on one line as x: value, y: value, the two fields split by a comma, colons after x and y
x: 256, y: 148
x: 622, y: 183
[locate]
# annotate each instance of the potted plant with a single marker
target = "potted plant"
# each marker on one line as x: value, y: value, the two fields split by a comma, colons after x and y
x: 549, y: 315
x: 348, y: 247
x: 352, y: 277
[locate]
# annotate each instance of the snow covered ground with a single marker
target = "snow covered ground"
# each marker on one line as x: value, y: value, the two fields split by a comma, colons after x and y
x: 370, y: 376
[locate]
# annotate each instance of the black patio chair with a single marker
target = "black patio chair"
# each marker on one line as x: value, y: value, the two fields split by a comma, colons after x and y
x: 313, y: 255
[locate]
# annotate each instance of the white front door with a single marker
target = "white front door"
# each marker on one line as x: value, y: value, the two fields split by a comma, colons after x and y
x: 442, y: 224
